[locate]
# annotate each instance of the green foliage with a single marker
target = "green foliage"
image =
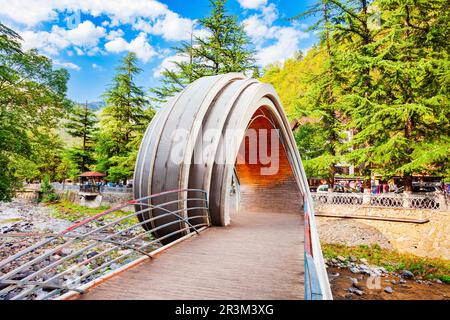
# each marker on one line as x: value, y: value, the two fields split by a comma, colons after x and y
x: 388, y: 83
x: 67, y: 210
x: 47, y: 193
x: 397, y: 96
x: 431, y: 268
x: 225, y: 49
x: 32, y: 100
x: 123, y: 122
x: 82, y: 124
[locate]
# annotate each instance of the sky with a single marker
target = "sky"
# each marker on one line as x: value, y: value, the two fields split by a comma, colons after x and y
x: 89, y: 37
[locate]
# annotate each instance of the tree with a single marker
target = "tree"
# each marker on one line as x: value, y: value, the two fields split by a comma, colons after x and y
x: 322, y: 101
x: 226, y: 48
x: 122, y: 122
x: 400, y: 107
x: 32, y: 100
x: 82, y: 124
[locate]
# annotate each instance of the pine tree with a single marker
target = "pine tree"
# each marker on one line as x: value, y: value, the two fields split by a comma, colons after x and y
x: 82, y: 124
x: 227, y: 48
x: 123, y: 122
x: 322, y: 101
x: 402, y: 118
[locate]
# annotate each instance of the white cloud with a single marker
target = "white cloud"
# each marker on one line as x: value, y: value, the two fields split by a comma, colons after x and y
x: 85, y: 36
x: 31, y: 12
x: 140, y: 45
x: 273, y: 43
x: 169, y: 63
x: 117, y: 45
x: 113, y: 34
x: 171, y: 27
x: 150, y: 16
x: 252, y: 4
x: 286, y: 44
x: 97, y: 67
x: 67, y: 65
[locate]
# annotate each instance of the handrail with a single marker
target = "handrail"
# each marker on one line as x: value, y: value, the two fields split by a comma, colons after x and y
x: 66, y: 260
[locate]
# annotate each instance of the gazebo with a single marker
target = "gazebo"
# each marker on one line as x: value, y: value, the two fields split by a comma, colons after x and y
x: 89, y: 180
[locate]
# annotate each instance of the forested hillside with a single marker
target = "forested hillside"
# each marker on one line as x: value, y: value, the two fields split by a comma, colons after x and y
x: 381, y: 70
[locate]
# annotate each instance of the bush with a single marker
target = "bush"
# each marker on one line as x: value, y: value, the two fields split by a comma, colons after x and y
x: 47, y: 194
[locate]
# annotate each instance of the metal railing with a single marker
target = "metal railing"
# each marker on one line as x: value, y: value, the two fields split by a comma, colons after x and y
x: 86, y: 188
x: 432, y: 201
x: 96, y: 246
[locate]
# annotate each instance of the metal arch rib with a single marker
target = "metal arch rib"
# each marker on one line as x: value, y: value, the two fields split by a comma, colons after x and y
x: 221, y: 103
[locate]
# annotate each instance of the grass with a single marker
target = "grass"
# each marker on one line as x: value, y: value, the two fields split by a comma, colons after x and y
x: 67, y: 210
x: 391, y: 260
x: 10, y: 220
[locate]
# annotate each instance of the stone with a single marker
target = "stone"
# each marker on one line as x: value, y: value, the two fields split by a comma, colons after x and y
x: 353, y: 259
x: 341, y: 258
x: 354, y: 280
x: 355, y: 291
x: 114, y: 266
x: 91, y: 254
x: 55, y: 257
x: 438, y: 281
x: 354, y: 270
x: 407, y: 274
x: 402, y: 281
x: 364, y: 261
x: 334, y: 261
x: 66, y: 251
x: 388, y: 290
x: 393, y: 282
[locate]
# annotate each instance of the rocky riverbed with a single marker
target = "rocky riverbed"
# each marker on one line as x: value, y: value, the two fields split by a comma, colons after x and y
x: 355, y: 279
x: 24, y: 224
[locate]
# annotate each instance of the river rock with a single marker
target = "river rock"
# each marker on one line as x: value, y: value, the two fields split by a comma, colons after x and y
x: 407, y: 274
x: 388, y: 290
x: 91, y: 254
x: 355, y: 291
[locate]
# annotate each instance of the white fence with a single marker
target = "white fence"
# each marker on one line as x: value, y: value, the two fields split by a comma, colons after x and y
x: 430, y: 201
x: 103, y: 189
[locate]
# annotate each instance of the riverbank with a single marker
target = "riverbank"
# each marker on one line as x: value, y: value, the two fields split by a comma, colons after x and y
x: 373, y: 273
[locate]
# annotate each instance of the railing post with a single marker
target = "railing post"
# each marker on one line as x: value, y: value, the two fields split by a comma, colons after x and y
x: 441, y: 199
x: 366, y: 197
x: 407, y: 201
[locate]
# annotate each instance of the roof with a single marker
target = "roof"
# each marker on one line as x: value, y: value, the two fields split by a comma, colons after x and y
x: 92, y: 174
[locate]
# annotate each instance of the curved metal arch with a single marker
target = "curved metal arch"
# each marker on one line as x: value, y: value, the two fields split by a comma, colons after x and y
x: 198, y: 119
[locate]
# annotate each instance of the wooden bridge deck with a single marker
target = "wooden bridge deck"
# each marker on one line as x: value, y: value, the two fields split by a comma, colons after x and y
x: 259, y: 256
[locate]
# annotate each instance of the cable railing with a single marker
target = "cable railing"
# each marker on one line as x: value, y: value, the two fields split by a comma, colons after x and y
x: 96, y: 246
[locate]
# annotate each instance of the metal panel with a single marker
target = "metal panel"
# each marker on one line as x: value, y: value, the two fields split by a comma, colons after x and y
x: 222, y: 103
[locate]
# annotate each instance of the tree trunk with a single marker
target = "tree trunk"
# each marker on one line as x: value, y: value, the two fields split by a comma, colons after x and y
x: 407, y: 180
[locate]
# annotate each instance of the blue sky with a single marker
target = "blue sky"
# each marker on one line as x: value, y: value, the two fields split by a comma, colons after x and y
x: 88, y: 37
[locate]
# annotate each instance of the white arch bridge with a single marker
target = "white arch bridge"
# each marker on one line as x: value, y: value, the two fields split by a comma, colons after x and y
x: 222, y: 210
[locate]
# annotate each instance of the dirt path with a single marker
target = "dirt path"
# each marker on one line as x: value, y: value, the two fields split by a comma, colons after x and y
x: 340, y: 280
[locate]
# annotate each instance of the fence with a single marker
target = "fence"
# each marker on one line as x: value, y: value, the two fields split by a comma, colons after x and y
x: 103, y: 189
x: 432, y: 201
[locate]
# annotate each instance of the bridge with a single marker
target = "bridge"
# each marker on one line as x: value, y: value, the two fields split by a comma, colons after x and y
x: 222, y: 210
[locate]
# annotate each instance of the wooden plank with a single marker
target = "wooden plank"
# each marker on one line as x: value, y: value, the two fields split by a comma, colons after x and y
x: 259, y: 256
